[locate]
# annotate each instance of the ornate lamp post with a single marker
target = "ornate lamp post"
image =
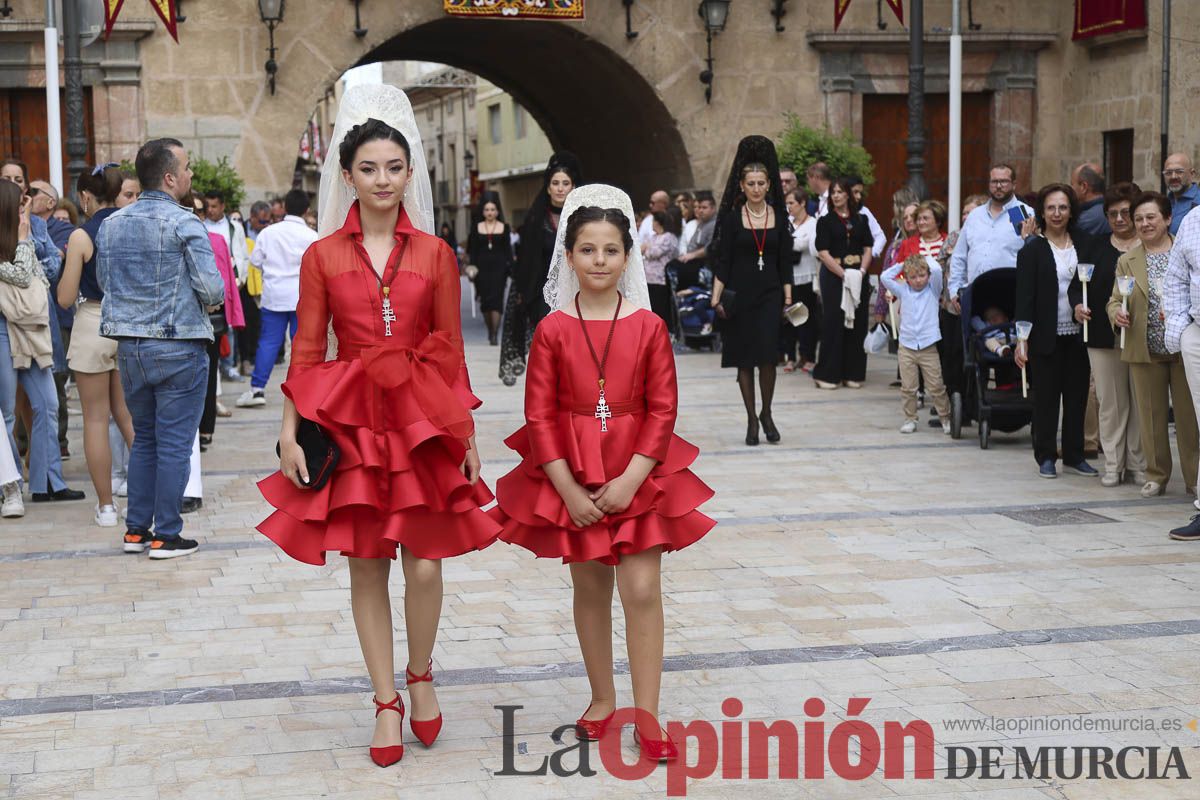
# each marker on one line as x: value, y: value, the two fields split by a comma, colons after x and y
x: 715, y: 14
x: 271, y: 12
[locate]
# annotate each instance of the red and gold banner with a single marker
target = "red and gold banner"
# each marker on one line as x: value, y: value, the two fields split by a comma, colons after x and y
x: 840, y: 7
x: 164, y: 8
x: 1102, y: 17
x: 515, y: 9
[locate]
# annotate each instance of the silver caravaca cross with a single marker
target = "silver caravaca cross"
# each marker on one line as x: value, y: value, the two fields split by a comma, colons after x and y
x: 389, y: 316
x: 602, y: 411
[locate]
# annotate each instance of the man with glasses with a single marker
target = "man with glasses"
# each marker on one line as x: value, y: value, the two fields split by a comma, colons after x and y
x: 992, y: 233
x: 1180, y: 178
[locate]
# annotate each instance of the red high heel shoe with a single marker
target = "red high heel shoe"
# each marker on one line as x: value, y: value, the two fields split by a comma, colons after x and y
x: 426, y: 730
x: 661, y: 750
x: 591, y: 730
x: 386, y: 756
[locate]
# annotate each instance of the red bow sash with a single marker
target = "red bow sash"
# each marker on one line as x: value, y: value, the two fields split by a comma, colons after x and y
x: 431, y: 368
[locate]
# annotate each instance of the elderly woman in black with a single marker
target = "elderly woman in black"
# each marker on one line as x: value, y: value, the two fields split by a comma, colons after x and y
x: 1058, y: 362
x: 844, y: 244
x: 752, y: 276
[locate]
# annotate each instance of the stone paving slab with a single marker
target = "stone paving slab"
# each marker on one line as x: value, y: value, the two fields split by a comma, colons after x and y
x: 945, y: 583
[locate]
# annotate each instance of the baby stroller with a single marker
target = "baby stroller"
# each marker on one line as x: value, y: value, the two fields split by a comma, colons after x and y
x: 694, y: 310
x: 992, y: 381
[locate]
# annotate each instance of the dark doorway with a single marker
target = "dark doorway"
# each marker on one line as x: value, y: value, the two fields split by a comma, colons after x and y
x: 885, y: 128
x: 586, y: 98
x: 23, y: 129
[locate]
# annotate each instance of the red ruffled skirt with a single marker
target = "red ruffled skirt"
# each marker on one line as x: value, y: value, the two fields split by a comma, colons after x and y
x: 398, y: 481
x: 662, y: 513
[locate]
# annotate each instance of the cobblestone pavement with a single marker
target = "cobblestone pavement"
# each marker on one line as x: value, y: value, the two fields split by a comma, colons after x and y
x: 943, y: 582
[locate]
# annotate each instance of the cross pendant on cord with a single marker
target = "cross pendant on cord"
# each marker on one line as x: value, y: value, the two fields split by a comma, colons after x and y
x: 760, y: 261
x: 603, y: 413
x: 389, y: 316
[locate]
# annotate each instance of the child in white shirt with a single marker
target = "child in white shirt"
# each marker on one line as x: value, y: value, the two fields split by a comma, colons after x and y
x: 919, y: 290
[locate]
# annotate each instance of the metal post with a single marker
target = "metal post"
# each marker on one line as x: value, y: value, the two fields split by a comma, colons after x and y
x: 73, y: 73
x: 916, y: 98
x: 954, y: 173
x: 1164, y: 135
x: 53, y: 113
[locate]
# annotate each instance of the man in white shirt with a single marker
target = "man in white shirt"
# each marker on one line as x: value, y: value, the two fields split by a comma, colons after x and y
x: 820, y: 177
x: 658, y: 202
x: 989, y: 238
x: 216, y: 221
x: 860, y: 195
x: 278, y: 252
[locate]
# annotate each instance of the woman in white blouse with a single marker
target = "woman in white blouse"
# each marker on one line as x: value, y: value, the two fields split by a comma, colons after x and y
x: 804, y: 275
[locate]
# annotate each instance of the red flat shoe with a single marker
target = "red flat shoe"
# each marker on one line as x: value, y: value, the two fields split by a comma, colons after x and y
x: 386, y: 756
x: 661, y: 750
x: 591, y: 730
x: 426, y: 730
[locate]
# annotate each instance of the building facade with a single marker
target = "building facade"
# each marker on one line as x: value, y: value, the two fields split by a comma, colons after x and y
x: 633, y: 109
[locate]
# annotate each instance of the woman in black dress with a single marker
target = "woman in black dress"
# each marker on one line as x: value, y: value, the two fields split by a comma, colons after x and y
x: 489, y: 250
x: 525, y: 306
x: 753, y: 244
x: 844, y: 243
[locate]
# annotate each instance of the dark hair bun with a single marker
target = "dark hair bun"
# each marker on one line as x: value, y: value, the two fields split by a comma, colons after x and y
x: 585, y: 215
x: 370, y: 131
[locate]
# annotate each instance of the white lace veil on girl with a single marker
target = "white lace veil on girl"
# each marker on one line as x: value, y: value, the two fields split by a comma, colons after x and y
x: 390, y: 106
x: 561, y: 282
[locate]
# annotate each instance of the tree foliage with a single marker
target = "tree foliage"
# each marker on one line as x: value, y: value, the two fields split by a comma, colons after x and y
x: 799, y: 146
x: 207, y: 176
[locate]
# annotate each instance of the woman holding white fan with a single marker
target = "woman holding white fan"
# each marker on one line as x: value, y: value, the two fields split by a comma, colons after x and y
x: 1089, y: 295
x: 1159, y: 382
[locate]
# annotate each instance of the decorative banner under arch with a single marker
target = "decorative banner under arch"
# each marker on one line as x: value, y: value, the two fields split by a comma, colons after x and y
x: 840, y: 7
x: 515, y: 9
x: 164, y: 8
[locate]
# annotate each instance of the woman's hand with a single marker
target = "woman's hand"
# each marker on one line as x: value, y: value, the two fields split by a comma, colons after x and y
x: 471, y: 465
x: 1082, y: 313
x: 580, y: 506
x: 615, y: 496
x: 292, y: 463
x: 1122, y: 319
x: 1021, y: 354
x: 23, y: 227
x: 721, y: 312
x: 1028, y: 227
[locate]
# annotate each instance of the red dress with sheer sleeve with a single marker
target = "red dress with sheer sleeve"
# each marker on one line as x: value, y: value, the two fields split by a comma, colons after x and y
x: 398, y: 406
x: 560, y: 406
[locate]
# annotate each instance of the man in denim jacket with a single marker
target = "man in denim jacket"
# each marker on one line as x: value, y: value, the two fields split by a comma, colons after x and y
x: 160, y: 280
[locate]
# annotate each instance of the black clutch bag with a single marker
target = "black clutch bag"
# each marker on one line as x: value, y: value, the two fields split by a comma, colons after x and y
x: 219, y: 324
x: 321, y: 455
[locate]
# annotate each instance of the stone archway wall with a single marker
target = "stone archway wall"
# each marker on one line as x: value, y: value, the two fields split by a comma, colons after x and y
x: 633, y: 108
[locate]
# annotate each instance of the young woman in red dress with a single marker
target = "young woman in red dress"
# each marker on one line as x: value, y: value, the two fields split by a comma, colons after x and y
x: 604, y: 482
x: 396, y: 402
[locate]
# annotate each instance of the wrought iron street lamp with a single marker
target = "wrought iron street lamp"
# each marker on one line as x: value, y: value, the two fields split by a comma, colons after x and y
x: 359, y: 30
x: 271, y: 12
x: 715, y: 14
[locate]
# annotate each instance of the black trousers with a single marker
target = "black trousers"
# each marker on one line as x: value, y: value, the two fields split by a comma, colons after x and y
x: 950, y: 351
x: 808, y: 335
x: 1059, y: 379
x: 842, y: 354
x: 660, y: 303
x: 247, y: 337
x: 208, y: 420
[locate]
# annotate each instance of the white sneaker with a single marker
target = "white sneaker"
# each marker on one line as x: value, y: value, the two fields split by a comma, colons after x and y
x: 946, y: 427
x: 252, y: 398
x: 122, y: 489
x: 107, y: 517
x: 13, y: 506
x: 1110, y: 479
x: 909, y: 426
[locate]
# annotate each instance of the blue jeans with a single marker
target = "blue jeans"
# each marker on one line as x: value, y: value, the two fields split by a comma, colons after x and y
x: 270, y: 340
x: 45, y: 459
x: 164, y: 382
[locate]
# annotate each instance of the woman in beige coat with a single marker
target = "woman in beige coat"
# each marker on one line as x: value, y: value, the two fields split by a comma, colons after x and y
x: 1159, y: 382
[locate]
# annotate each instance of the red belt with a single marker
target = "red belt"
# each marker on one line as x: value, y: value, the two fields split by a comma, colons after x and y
x: 616, y: 408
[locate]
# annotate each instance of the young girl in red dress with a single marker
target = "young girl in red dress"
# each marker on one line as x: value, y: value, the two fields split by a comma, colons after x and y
x: 604, y: 481
x: 396, y: 402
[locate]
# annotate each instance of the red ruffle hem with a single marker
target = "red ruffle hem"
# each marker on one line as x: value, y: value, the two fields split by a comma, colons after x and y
x: 401, y: 426
x: 663, y: 512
